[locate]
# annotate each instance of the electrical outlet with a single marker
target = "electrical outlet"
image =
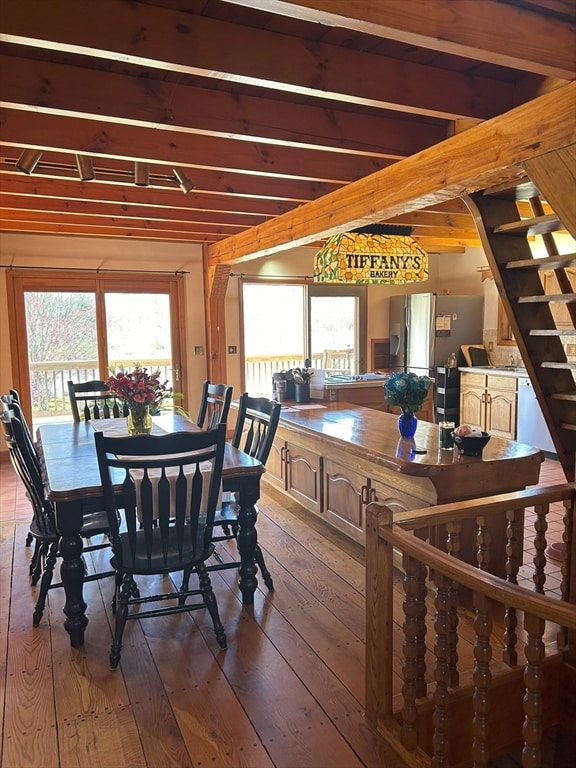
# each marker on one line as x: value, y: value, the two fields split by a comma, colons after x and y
x: 490, y: 346
x: 571, y: 350
x: 232, y: 350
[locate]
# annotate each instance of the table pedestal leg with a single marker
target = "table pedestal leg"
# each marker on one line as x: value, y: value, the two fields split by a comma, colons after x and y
x: 247, y: 537
x: 72, y: 572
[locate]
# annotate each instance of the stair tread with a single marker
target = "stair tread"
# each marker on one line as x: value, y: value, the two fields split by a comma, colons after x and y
x: 539, y: 225
x: 551, y: 262
x: 551, y: 332
x: 559, y: 365
x: 563, y: 298
x: 570, y: 396
x: 523, y: 190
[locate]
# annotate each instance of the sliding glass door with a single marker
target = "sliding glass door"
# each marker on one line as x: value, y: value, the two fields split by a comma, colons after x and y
x: 82, y: 328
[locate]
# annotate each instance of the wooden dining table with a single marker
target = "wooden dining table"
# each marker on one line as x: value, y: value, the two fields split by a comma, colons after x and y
x: 72, y: 479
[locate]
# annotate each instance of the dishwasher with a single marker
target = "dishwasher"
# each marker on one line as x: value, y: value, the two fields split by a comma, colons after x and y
x: 532, y: 428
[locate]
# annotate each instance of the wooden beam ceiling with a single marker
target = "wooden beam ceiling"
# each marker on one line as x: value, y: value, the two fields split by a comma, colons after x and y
x: 268, y: 106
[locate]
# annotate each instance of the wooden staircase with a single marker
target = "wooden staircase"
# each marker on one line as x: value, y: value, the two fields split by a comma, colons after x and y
x: 543, y: 319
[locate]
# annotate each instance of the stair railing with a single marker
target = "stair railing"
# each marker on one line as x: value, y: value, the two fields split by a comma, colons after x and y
x: 435, y: 581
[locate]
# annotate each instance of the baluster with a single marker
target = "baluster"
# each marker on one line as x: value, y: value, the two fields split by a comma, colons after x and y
x: 421, y: 611
x: 411, y: 688
x: 510, y: 654
x: 482, y: 543
x: 106, y: 409
x: 540, y: 526
x: 442, y: 651
x: 96, y: 410
x: 567, y: 534
x: 532, y: 728
x: 482, y: 680
x: 86, y: 411
x: 453, y: 549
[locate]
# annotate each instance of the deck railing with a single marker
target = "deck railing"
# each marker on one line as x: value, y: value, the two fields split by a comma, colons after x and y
x: 49, y: 381
x: 453, y: 715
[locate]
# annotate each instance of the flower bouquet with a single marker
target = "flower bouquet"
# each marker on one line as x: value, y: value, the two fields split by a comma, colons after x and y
x: 407, y: 390
x: 143, y: 393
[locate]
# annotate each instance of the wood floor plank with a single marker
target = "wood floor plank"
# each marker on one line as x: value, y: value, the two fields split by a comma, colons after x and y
x: 293, y: 728
x: 102, y: 741
x: 30, y: 733
x: 213, y: 723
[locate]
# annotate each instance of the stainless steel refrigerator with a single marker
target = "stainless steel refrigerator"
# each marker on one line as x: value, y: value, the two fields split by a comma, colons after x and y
x: 426, y: 328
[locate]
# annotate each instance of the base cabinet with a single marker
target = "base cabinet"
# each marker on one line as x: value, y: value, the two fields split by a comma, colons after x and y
x: 489, y: 403
x: 297, y: 471
x: 345, y: 499
x: 334, y: 487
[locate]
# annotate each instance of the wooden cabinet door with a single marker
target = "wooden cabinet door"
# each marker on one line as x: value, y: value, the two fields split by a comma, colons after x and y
x: 276, y: 466
x: 304, y: 476
x: 473, y: 407
x: 501, y: 413
x: 345, y: 498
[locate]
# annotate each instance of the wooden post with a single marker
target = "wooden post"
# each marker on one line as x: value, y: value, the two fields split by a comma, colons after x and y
x: 216, y: 283
x: 379, y: 615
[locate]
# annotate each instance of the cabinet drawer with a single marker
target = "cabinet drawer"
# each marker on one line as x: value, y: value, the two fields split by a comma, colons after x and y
x: 475, y: 380
x: 507, y: 383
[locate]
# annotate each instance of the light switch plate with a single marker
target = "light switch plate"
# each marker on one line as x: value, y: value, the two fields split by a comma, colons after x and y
x: 198, y: 350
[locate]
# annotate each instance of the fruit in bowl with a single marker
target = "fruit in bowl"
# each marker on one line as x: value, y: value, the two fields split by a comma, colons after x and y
x: 470, y: 440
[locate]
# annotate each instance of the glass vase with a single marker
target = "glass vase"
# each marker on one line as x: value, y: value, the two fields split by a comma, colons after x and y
x: 139, y: 420
x: 407, y: 423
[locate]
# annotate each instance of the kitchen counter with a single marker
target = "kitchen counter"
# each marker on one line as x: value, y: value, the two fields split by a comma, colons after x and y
x: 494, y: 370
x: 367, y: 389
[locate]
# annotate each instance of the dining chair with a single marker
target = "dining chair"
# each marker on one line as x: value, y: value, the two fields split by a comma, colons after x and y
x: 169, y: 486
x: 95, y: 400
x: 12, y: 401
x: 214, y: 405
x: 43, y: 525
x: 254, y: 434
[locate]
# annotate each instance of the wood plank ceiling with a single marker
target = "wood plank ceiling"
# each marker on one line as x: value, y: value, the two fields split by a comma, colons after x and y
x: 263, y: 105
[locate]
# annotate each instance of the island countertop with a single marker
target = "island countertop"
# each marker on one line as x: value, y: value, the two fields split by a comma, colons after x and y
x: 372, y: 436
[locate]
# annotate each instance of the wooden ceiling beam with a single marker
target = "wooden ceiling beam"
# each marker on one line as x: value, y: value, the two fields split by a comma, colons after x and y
x: 482, y: 157
x: 160, y: 38
x: 290, y: 192
x: 159, y: 213
x: 41, y: 86
x: 140, y: 196
x: 167, y: 147
x: 493, y: 31
x: 67, y: 228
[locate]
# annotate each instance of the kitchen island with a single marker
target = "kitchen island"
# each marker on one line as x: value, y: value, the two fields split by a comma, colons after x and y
x: 335, y: 458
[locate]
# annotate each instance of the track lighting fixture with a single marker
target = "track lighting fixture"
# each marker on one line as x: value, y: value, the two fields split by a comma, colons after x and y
x: 141, y: 174
x: 28, y: 160
x: 185, y: 183
x: 85, y: 168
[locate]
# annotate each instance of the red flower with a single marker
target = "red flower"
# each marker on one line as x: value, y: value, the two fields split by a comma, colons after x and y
x: 140, y: 387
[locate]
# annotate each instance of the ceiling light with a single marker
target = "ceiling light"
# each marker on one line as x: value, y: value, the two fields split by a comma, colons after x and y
x: 185, y: 183
x: 141, y: 174
x: 379, y: 253
x: 85, y: 167
x: 28, y: 160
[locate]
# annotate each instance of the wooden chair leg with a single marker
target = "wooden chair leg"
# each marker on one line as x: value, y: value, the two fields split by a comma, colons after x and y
x: 211, y: 604
x: 47, y: 576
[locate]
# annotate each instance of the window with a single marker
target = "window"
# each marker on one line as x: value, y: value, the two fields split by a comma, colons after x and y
x: 284, y: 324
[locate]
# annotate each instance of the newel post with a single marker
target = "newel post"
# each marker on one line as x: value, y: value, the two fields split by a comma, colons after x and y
x: 379, y: 615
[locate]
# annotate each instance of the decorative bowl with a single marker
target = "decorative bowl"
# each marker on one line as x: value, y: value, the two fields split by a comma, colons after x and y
x: 471, y: 446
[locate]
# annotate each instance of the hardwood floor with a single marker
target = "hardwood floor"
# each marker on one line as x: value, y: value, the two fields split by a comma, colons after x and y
x: 287, y: 693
